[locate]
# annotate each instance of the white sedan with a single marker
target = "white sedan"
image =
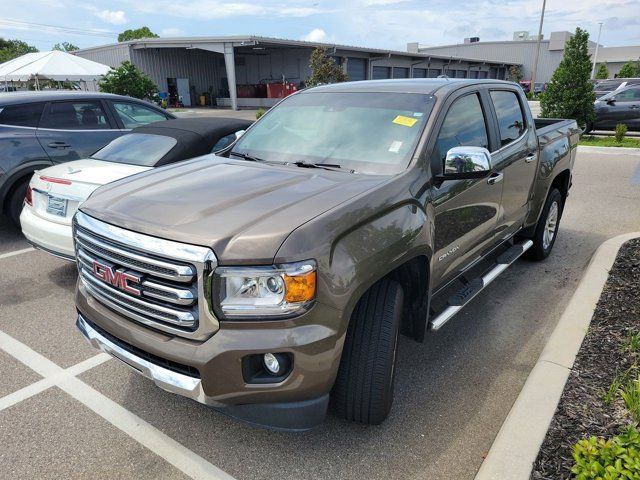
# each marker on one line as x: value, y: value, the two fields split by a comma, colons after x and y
x: 55, y: 193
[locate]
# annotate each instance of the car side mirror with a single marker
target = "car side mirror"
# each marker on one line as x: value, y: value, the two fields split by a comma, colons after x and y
x: 466, y: 162
x: 611, y: 101
x: 239, y: 133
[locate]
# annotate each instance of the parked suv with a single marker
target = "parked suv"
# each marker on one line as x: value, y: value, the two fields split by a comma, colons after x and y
x: 265, y: 281
x: 41, y: 129
x: 619, y: 106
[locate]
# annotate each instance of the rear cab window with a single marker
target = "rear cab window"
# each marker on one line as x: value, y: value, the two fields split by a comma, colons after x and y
x: 22, y: 115
x: 511, y: 119
x: 85, y: 115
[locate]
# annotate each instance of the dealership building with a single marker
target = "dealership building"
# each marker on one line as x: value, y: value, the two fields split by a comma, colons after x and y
x: 234, y: 71
x: 522, y: 49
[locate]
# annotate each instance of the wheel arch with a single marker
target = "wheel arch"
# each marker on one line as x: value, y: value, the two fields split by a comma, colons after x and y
x: 13, y: 179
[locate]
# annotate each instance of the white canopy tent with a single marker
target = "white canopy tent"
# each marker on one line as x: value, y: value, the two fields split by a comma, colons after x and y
x: 55, y: 65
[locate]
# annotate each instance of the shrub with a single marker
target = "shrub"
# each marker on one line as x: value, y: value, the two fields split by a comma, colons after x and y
x: 614, y: 458
x: 127, y: 79
x: 621, y: 131
x: 569, y: 94
x: 630, y: 69
x: 259, y: 113
x: 603, y: 71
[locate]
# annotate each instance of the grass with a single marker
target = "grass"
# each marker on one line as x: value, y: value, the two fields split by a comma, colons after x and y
x: 631, y: 396
x: 619, y: 382
x: 632, y: 344
x: 593, y: 141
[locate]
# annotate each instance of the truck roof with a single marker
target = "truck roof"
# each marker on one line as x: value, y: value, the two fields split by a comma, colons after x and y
x: 427, y: 86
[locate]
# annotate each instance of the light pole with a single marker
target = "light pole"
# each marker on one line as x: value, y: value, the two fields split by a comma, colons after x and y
x: 535, y: 60
x: 595, y: 54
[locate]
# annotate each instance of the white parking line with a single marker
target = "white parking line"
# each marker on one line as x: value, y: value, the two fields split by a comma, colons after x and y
x: 16, y: 252
x: 144, y: 433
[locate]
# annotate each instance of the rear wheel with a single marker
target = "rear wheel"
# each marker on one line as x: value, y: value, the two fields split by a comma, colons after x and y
x: 15, y: 201
x: 547, y: 227
x: 363, y: 391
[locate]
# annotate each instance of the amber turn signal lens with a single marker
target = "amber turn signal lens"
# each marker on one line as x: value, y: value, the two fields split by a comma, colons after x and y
x: 300, y: 288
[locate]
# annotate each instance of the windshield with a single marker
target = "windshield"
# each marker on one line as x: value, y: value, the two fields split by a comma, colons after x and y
x: 142, y: 149
x: 372, y: 133
x: 607, y: 86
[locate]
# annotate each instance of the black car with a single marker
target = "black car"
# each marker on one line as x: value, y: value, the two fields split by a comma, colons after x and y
x: 619, y: 106
x: 603, y: 87
x: 40, y: 129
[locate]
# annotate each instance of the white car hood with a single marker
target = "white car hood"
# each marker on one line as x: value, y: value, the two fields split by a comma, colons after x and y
x: 79, y: 179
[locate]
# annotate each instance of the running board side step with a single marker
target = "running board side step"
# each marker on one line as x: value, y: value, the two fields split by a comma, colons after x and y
x: 457, y: 301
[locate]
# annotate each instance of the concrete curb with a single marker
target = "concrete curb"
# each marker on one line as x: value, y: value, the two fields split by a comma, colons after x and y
x: 609, y: 150
x: 517, y: 444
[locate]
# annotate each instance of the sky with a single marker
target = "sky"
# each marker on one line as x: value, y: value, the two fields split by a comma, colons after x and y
x: 368, y: 23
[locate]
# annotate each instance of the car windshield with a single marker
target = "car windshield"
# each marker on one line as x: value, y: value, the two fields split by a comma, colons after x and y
x: 374, y: 133
x: 607, y: 86
x: 141, y: 149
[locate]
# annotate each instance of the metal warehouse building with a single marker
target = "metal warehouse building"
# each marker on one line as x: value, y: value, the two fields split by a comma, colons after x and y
x: 522, y: 48
x: 231, y: 67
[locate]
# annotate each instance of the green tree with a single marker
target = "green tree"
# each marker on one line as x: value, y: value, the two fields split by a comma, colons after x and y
x: 324, y: 69
x: 603, y: 72
x: 569, y: 94
x: 66, y: 47
x: 630, y: 69
x: 515, y: 73
x: 128, y: 80
x: 142, y: 32
x: 10, y: 49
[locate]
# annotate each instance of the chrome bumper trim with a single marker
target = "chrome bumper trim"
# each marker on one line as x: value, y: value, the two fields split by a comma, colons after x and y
x: 166, y: 379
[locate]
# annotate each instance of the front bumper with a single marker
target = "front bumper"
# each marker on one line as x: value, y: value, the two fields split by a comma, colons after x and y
x: 53, y: 238
x: 298, y: 402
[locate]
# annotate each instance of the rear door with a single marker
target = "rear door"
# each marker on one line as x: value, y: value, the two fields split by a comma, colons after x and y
x: 466, y: 211
x: 515, y: 157
x: 75, y: 129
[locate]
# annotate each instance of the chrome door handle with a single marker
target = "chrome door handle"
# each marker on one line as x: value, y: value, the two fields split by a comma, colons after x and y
x: 530, y: 158
x: 495, y: 178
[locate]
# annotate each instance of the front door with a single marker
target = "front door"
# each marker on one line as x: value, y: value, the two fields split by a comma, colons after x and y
x: 624, y: 107
x: 466, y: 211
x: 70, y: 130
x: 516, y: 158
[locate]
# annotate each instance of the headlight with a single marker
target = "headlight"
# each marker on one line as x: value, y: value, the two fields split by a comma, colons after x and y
x: 279, y: 290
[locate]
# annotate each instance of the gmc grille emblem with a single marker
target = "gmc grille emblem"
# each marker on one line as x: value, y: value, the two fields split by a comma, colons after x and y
x: 117, y: 277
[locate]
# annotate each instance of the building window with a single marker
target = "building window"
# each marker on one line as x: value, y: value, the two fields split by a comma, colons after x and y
x: 400, y: 72
x: 419, y: 73
x: 380, y: 73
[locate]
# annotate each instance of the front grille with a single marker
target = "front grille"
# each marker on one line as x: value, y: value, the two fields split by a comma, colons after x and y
x: 160, y: 291
x: 149, y: 357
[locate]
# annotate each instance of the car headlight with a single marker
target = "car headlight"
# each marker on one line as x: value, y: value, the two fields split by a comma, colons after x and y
x: 279, y: 290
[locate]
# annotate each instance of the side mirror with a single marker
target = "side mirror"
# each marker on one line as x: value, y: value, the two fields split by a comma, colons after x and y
x: 239, y: 133
x: 466, y: 162
x: 611, y: 101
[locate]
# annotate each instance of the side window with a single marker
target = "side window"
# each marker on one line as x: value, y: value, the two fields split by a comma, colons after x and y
x: 135, y: 115
x: 464, y: 125
x: 75, y: 116
x: 510, y: 117
x: 224, y: 142
x: 25, y: 115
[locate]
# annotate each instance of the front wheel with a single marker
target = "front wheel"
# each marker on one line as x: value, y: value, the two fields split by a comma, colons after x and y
x: 547, y: 227
x: 363, y: 391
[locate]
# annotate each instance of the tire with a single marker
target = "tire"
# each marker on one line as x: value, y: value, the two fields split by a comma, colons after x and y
x: 542, y: 242
x: 588, y: 128
x: 15, y: 201
x: 363, y: 391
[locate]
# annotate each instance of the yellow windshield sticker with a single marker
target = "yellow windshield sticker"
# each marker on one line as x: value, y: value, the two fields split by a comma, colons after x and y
x: 405, y: 121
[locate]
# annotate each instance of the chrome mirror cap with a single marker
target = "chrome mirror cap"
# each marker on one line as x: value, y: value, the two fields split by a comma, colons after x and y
x: 465, y: 160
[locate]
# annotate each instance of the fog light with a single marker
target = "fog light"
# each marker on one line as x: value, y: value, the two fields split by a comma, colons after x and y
x: 271, y: 363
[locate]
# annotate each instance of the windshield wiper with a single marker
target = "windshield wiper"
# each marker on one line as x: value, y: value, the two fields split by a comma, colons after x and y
x: 246, y: 156
x: 326, y: 166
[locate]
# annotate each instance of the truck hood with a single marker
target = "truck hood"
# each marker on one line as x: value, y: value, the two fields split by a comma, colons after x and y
x: 242, y: 210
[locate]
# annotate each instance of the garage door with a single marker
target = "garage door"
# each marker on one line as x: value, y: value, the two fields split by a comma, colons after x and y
x: 400, y: 72
x: 356, y: 69
x: 380, y: 73
x: 419, y: 73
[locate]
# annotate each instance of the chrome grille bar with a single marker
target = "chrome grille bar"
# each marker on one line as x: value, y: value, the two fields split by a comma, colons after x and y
x: 159, y: 283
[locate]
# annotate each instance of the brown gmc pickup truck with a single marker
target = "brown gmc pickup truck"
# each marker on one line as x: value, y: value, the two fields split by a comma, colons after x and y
x: 277, y: 275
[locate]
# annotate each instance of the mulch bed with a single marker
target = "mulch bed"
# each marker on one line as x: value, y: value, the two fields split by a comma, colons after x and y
x: 582, y: 411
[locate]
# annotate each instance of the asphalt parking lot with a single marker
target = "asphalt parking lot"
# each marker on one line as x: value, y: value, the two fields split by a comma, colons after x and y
x: 68, y: 412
